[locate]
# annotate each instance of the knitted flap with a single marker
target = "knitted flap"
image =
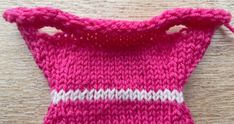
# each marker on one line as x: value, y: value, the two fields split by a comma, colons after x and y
x: 118, y: 71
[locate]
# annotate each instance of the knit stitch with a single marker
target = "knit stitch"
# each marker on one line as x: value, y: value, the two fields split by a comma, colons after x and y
x: 103, y: 71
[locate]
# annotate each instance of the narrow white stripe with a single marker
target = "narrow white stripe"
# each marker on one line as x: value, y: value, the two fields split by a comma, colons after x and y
x: 114, y: 94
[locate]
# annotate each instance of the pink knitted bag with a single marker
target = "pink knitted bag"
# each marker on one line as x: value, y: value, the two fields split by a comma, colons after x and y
x: 103, y: 71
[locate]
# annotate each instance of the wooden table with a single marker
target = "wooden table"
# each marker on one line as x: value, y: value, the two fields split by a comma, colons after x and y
x: 24, y: 94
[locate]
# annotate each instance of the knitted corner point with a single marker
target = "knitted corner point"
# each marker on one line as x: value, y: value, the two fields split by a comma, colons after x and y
x: 117, y: 71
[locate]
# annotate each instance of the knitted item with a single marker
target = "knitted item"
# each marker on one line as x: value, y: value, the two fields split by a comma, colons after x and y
x: 116, y: 71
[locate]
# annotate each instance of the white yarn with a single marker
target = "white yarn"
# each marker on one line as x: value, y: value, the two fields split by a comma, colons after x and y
x: 114, y: 94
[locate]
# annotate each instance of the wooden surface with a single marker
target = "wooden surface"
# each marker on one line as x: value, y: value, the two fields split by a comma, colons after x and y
x: 24, y: 94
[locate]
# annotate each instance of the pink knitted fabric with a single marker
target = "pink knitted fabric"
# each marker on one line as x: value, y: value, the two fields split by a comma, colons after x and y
x: 103, y: 71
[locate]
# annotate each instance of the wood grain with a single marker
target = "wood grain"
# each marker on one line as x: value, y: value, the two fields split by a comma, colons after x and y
x: 24, y: 94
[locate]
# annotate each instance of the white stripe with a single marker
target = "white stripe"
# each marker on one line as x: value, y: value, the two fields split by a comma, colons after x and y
x: 114, y: 94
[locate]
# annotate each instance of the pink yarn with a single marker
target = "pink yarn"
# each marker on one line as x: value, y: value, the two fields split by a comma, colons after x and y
x: 92, y: 54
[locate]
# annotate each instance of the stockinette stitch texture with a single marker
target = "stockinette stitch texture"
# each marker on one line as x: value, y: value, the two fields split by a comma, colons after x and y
x: 103, y: 71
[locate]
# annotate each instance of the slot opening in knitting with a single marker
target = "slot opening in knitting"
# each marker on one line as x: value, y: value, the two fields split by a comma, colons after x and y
x: 49, y: 30
x: 175, y: 29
